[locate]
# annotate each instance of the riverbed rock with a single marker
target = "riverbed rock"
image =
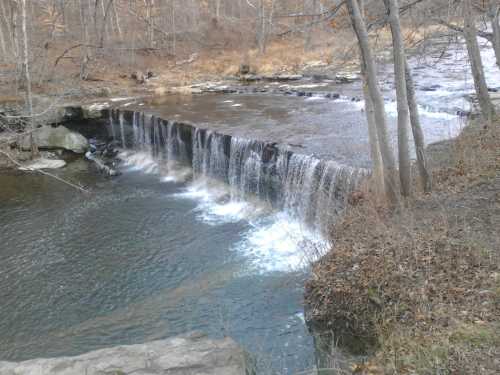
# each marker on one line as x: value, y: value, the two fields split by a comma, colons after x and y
x: 93, y: 111
x: 283, y: 77
x: 192, y: 354
x: 51, y: 138
x: 43, y: 163
x: 343, y: 78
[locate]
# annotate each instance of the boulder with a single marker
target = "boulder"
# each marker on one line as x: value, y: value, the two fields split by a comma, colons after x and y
x: 244, y: 69
x: 138, y: 76
x: 192, y: 354
x: 51, y: 138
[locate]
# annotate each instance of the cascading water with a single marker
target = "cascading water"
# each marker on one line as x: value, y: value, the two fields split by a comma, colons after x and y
x: 307, y: 189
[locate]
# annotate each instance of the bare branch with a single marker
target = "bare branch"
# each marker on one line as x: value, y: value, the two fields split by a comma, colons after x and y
x: 79, y: 188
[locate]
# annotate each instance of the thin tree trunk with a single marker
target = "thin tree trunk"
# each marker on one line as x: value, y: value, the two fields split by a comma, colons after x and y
x: 84, y: 59
x: 117, y: 21
x: 494, y: 15
x: 105, y: 29
x: 262, y: 27
x: 174, y: 34
x: 150, y: 22
x: 217, y: 10
x: 392, y: 7
x: 376, y: 157
x: 418, y: 134
x: 6, y: 23
x: 34, y: 148
x: 3, y: 45
x: 15, y: 43
x: 470, y: 35
x: 388, y: 159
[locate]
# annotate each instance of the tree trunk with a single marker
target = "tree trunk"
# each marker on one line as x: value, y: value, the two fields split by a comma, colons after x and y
x: 84, y: 59
x: 117, y: 21
x: 376, y: 157
x: 310, y: 27
x: 392, y: 7
x: 5, y: 21
x: 150, y: 22
x: 29, y: 98
x: 494, y: 15
x: 262, y: 27
x: 174, y: 33
x: 418, y: 134
x: 3, y: 45
x: 470, y: 35
x: 104, y: 29
x: 15, y: 43
x: 388, y: 160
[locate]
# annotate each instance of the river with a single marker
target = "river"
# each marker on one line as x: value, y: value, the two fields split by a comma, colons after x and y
x: 211, y: 234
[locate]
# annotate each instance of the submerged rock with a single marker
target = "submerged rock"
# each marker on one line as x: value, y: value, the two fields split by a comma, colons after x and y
x: 193, y: 354
x: 51, y: 138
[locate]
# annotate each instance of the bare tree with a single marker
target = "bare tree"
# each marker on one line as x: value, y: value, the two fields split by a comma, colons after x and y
x: 392, y: 7
x: 418, y: 134
x: 494, y: 16
x: 376, y: 157
x: 84, y: 50
x: 470, y: 35
x: 26, y: 64
x: 3, y: 45
x: 389, y: 164
x: 261, y: 19
x: 4, y: 22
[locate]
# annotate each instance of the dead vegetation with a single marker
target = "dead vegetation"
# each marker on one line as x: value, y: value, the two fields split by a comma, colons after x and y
x: 423, y: 283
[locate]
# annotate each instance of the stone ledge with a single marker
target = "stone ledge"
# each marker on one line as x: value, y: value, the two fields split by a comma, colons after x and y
x: 192, y: 354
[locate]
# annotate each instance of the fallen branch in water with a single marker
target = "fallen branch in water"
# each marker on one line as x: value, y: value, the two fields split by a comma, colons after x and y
x: 100, y: 164
x: 43, y: 172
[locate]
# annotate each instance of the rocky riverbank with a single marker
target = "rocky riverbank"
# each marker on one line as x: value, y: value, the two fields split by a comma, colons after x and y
x: 193, y: 354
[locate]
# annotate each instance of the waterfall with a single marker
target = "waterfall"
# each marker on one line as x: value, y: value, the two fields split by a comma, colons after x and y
x: 305, y: 187
x: 245, y: 168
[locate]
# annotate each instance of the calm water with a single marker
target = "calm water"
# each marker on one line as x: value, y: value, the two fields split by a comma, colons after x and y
x: 139, y: 260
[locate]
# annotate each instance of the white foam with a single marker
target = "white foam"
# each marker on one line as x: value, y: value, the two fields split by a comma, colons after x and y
x: 215, y: 205
x: 309, y: 86
x: 273, y: 241
x: 279, y: 243
x: 122, y: 99
x: 237, y: 105
x: 175, y: 173
x: 139, y: 161
x: 314, y: 98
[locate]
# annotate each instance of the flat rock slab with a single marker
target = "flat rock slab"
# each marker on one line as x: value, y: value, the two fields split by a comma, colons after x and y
x: 43, y: 163
x: 194, y: 354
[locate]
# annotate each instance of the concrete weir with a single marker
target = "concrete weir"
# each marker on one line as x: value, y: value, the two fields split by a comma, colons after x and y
x: 309, y: 189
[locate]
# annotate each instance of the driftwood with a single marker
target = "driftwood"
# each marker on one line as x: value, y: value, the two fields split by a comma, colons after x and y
x: 19, y: 165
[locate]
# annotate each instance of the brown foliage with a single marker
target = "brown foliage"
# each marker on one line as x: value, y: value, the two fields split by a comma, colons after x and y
x: 424, y: 281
